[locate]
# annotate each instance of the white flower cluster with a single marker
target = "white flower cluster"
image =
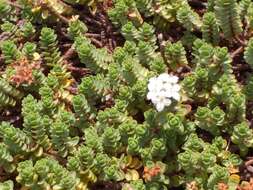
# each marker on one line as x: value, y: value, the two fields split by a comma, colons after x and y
x: 163, y: 90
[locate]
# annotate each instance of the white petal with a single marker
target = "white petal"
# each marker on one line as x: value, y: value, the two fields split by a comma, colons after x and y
x: 150, y: 95
x: 160, y: 87
x: 168, y: 87
x: 176, y: 96
x: 156, y: 98
x: 167, y: 101
x: 152, y: 84
x: 176, y: 87
x: 152, y: 79
x: 164, y: 77
x: 151, y: 87
x: 173, y: 79
x: 165, y: 93
x: 159, y: 107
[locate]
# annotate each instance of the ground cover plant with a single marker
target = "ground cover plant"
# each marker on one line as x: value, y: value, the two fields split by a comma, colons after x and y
x: 126, y: 94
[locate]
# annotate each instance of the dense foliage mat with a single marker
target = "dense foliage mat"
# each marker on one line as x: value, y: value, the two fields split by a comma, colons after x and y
x: 126, y: 94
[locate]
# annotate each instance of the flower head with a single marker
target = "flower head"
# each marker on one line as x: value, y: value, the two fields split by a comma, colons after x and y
x: 163, y: 90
